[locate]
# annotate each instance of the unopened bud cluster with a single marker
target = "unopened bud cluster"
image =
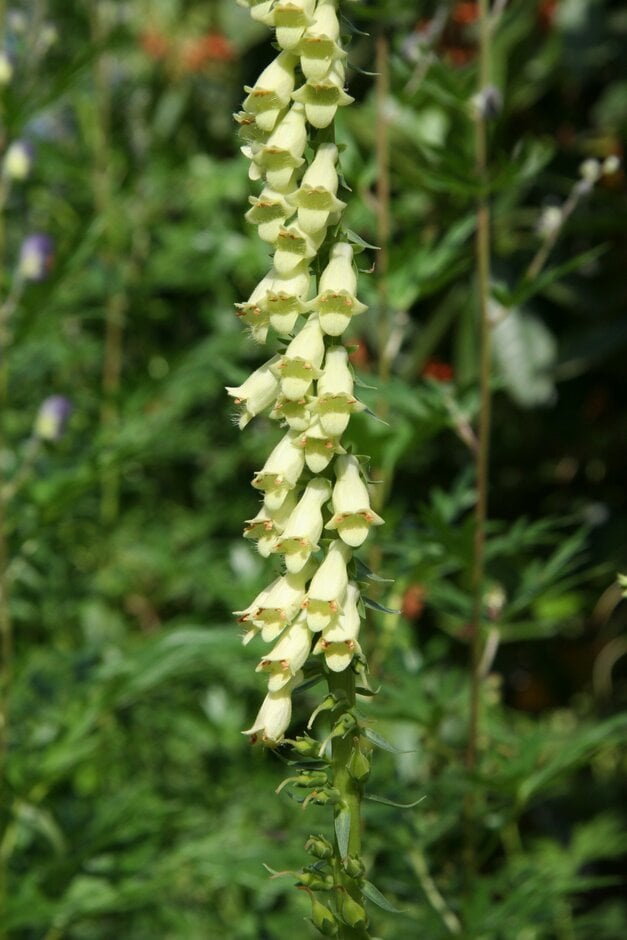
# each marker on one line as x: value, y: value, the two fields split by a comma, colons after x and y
x: 316, y: 507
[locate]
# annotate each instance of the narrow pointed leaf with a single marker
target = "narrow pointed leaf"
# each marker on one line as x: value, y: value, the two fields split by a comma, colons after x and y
x: 373, y: 894
x: 343, y: 830
x: 383, y: 799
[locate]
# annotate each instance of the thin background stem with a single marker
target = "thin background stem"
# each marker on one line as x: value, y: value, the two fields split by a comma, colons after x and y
x: 483, y: 450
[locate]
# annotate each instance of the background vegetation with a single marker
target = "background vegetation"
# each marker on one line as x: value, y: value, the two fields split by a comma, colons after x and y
x: 131, y: 805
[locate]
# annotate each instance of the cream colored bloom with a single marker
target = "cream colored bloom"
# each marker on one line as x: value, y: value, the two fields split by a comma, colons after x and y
x: 275, y: 714
x: 293, y: 246
x: 295, y: 413
x: 316, y: 198
x: 257, y: 393
x: 281, y: 471
x: 283, y: 151
x: 300, y: 364
x: 290, y: 18
x: 322, y: 98
x: 319, y: 448
x: 339, y: 642
x: 246, y: 615
x: 328, y: 587
x: 319, y: 47
x: 336, y: 402
x: 260, y: 10
x: 288, y: 655
x: 270, y: 95
x: 352, y: 514
x: 304, y: 527
x: 276, y: 301
x: 281, y: 604
x: 336, y: 301
x: 266, y: 526
x: 270, y: 210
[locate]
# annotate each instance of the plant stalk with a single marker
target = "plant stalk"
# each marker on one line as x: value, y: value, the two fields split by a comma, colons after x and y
x: 482, y: 246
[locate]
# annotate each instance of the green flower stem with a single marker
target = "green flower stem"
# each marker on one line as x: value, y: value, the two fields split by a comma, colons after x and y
x: 342, y: 685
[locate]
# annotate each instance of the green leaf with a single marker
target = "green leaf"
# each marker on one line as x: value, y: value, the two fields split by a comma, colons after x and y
x: 375, y: 605
x: 373, y: 894
x: 342, y: 825
x: 386, y: 802
x: 381, y: 742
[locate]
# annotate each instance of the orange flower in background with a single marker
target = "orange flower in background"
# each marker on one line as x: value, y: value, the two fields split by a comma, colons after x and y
x: 440, y: 371
x: 465, y: 12
x: 155, y: 44
x: 212, y: 47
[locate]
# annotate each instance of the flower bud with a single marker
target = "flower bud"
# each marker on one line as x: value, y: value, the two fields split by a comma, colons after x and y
x: 319, y: 448
x: 271, y: 93
x: 290, y: 17
x: 354, y: 867
x: 257, y: 393
x: 311, y: 778
x: 352, y: 514
x: 358, y: 766
x: 52, y: 417
x: 336, y: 301
x: 323, y: 919
x: 316, y: 198
x: 300, y: 364
x: 326, y: 796
x: 35, y: 257
x: 274, y: 715
x: 18, y: 160
x: 281, y: 471
x: 319, y: 847
x: 322, y: 98
x: 307, y: 747
x: 319, y: 47
x: 352, y: 912
x: 328, y: 587
x: 304, y: 527
x: 336, y: 401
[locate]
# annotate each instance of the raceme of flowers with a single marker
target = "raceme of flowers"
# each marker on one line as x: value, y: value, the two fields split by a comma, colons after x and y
x: 316, y: 507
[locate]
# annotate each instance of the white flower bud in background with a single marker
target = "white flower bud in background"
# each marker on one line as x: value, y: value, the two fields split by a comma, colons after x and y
x: 611, y: 165
x: 281, y: 471
x: 275, y: 714
x: 338, y: 642
x: 352, y: 514
x: 257, y: 393
x: 288, y: 656
x: 336, y: 301
x: 300, y: 364
x: 290, y: 18
x: 18, y: 160
x: 271, y: 93
x: 6, y: 69
x: 550, y: 221
x: 319, y: 448
x: 328, y: 587
x: 304, y: 527
x: 319, y: 46
x: 336, y: 402
x: 316, y: 198
x: 322, y: 98
x: 590, y: 171
x: 281, y: 604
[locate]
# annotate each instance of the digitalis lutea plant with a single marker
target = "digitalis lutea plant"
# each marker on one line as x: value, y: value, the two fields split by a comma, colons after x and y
x: 316, y: 509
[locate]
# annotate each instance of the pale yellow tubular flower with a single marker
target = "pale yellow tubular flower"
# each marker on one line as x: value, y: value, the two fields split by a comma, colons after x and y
x: 288, y: 655
x: 319, y: 47
x: 295, y: 413
x: 328, y: 587
x: 260, y: 10
x: 353, y: 516
x: 270, y: 210
x: 319, y: 448
x: 282, y: 603
x: 274, y: 715
x: 300, y: 363
x: 336, y: 402
x: 336, y: 301
x: 281, y: 471
x: 257, y: 393
x: 290, y: 19
x: 266, y: 526
x: 322, y: 98
x: 283, y: 151
x: 270, y: 95
x: 304, y: 527
x: 316, y: 199
x: 339, y: 642
x: 293, y: 246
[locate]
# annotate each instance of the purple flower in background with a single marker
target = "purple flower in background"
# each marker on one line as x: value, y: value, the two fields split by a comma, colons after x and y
x: 52, y: 417
x: 18, y: 160
x: 36, y: 256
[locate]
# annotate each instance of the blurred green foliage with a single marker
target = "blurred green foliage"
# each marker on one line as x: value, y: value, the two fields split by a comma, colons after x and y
x: 131, y: 805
